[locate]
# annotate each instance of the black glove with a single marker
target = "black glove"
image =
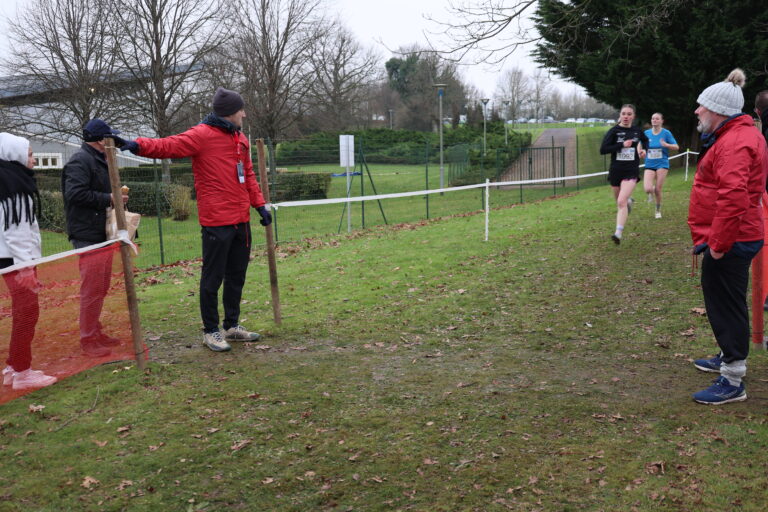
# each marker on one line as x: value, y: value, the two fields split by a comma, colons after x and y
x: 266, y: 217
x: 129, y: 145
x: 698, y: 249
x: 119, y: 141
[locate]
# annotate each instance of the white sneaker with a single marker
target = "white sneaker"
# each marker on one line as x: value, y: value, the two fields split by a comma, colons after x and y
x: 8, y: 374
x: 215, y: 342
x: 240, y: 333
x: 658, y: 215
x: 30, y: 378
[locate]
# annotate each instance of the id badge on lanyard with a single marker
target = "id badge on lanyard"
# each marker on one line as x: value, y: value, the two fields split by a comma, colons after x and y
x: 240, y: 169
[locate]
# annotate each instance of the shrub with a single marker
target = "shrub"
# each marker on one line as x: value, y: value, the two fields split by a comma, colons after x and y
x: 180, y: 200
x: 52, y: 216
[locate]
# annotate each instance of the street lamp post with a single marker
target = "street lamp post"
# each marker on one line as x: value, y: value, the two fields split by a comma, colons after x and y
x: 440, y: 93
x: 506, y: 112
x: 485, y: 104
x: 391, y: 124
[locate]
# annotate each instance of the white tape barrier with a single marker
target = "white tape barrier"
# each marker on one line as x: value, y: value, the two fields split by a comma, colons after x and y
x: 337, y: 200
x: 122, y: 236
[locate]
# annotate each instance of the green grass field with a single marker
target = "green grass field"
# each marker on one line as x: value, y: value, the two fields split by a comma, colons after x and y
x: 416, y: 368
x: 180, y: 239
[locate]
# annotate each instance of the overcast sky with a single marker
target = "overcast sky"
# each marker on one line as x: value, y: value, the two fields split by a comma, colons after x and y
x: 383, y: 24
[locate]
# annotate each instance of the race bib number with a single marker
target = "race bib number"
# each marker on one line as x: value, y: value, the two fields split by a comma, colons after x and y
x: 626, y: 154
x: 655, y: 153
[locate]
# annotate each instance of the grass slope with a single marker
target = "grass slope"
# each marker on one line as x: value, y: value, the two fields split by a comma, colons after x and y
x: 417, y: 368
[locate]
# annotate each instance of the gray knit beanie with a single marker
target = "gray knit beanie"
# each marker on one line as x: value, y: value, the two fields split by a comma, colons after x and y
x: 725, y: 98
x: 226, y: 102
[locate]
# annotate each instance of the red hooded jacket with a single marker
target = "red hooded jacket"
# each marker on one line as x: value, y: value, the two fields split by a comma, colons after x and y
x: 725, y: 204
x: 215, y: 151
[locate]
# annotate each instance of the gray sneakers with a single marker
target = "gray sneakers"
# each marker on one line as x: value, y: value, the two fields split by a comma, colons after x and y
x: 240, y: 333
x: 215, y: 342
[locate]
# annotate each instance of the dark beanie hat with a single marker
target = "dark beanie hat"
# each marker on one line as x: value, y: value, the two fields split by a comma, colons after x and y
x: 226, y: 102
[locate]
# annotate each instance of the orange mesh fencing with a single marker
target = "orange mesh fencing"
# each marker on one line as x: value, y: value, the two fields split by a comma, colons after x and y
x: 82, y: 317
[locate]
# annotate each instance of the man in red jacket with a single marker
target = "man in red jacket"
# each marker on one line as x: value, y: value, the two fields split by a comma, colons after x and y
x: 226, y: 188
x: 726, y: 222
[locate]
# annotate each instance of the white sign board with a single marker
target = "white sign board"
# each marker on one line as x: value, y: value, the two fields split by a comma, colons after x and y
x: 347, y: 150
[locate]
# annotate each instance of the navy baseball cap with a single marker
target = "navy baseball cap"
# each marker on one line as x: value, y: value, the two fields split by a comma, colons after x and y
x: 96, y: 129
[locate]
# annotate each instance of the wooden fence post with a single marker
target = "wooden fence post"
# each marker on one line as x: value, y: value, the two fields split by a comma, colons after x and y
x: 125, y: 253
x: 276, y: 311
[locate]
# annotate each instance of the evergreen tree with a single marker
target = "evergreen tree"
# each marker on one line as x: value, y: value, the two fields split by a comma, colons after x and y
x: 656, y: 55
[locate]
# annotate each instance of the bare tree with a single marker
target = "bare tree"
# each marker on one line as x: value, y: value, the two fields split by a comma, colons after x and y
x: 514, y: 87
x: 343, y: 74
x: 492, y: 30
x: 275, y: 39
x: 163, y: 47
x: 63, y: 54
x: 540, y: 86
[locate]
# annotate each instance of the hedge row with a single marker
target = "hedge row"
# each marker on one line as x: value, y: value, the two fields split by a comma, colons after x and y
x: 393, y: 146
x: 52, y: 216
x: 290, y: 186
x: 142, y: 200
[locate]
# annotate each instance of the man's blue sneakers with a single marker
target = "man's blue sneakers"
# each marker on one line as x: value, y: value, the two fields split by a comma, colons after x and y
x: 721, y: 392
x: 709, y: 365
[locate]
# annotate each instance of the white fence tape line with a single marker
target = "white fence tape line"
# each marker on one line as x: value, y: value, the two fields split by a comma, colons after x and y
x: 337, y: 200
x: 122, y: 237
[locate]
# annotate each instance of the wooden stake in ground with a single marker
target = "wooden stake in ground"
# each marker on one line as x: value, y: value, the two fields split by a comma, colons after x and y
x: 125, y: 253
x: 270, y: 238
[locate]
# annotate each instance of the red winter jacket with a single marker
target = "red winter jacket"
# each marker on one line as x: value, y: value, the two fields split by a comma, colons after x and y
x: 725, y: 202
x: 215, y: 151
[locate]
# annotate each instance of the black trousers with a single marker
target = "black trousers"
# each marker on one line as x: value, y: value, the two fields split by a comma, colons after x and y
x: 724, y: 283
x: 226, y: 252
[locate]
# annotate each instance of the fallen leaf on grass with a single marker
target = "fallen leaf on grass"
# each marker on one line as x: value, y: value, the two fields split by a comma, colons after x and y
x: 655, y: 468
x: 89, y: 481
x: 716, y: 436
x: 240, y: 444
x: 699, y: 311
x: 688, y: 332
x: 100, y: 444
x: 268, y: 480
x: 430, y: 462
x: 124, y: 484
x: 125, y: 428
x: 36, y: 408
